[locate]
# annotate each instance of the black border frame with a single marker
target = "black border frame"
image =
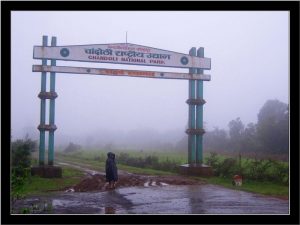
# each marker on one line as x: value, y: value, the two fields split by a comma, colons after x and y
x: 292, y: 7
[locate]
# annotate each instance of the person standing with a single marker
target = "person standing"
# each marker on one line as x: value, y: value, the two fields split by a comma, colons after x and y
x: 111, y: 170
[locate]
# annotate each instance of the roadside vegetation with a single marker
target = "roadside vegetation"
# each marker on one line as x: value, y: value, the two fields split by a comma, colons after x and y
x: 23, y: 184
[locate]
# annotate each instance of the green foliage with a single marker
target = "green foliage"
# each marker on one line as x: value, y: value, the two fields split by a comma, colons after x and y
x: 280, y: 172
x: 265, y: 187
x: 20, y: 164
x: 25, y: 210
x: 144, y: 171
x: 37, y: 185
x: 222, y: 166
x: 150, y: 161
x: 258, y: 169
x: 227, y: 167
x: 21, y: 150
x: 213, y: 161
x: 250, y: 169
x: 19, y: 176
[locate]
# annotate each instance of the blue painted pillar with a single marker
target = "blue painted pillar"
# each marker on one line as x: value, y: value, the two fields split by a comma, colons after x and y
x: 52, y: 110
x: 199, y: 112
x: 192, y: 116
x: 43, y: 110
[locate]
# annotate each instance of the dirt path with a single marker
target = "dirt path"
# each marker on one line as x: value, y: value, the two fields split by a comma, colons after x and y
x: 95, y: 180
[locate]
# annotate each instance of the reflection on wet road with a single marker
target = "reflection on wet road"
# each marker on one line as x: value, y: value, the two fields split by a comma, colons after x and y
x: 204, y: 199
x: 170, y: 199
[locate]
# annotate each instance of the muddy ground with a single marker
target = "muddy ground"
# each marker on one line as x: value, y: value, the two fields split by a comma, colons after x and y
x: 97, y: 182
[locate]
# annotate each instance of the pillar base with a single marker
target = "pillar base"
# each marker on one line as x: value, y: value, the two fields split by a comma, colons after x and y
x: 196, y: 170
x: 47, y: 171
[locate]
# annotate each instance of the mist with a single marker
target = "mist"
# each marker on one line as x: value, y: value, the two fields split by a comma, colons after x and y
x: 250, y: 65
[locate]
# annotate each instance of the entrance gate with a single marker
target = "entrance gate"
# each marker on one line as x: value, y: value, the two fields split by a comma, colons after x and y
x: 123, y: 53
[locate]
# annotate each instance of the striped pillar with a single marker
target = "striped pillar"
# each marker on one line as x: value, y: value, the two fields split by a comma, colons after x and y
x: 43, y: 110
x: 44, y: 95
x: 192, y: 118
x: 52, y: 110
x: 199, y: 112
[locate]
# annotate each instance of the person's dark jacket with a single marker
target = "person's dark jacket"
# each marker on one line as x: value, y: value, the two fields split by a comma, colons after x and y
x: 111, y: 168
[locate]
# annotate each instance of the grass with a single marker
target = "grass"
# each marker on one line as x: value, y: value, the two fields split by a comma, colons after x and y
x: 144, y: 171
x: 87, y: 163
x: 99, y: 166
x: 266, y: 188
x: 179, y: 157
x: 37, y: 185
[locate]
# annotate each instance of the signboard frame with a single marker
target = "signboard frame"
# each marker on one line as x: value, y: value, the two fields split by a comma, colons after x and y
x: 121, y: 53
x: 120, y: 72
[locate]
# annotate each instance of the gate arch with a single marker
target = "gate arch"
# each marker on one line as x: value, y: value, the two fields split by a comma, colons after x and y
x: 122, y: 53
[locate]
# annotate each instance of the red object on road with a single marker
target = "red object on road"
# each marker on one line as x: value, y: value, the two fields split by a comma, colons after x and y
x: 237, y: 180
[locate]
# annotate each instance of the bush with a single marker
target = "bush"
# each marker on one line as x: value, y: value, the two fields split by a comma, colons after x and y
x: 21, y: 161
x: 280, y: 172
x: 147, y: 162
x: 258, y: 169
x: 212, y: 160
x: 21, y: 155
x: 167, y: 165
x: 228, y: 167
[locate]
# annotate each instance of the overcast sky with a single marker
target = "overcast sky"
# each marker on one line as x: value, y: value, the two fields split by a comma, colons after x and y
x: 248, y: 51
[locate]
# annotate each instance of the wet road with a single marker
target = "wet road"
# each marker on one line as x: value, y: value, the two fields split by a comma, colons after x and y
x: 169, y: 199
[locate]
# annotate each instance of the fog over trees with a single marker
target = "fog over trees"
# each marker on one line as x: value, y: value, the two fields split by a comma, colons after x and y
x: 270, y: 135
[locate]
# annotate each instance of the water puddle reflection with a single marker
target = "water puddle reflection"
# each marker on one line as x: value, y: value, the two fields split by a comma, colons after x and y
x: 188, y: 199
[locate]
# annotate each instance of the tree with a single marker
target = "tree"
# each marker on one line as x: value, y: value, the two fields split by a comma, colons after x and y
x: 236, y: 132
x: 216, y: 140
x: 273, y: 126
x: 21, y: 153
x: 20, y: 161
x: 250, y: 141
x: 236, y: 128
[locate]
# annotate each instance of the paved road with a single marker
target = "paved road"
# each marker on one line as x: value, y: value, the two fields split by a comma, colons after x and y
x: 170, y: 199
